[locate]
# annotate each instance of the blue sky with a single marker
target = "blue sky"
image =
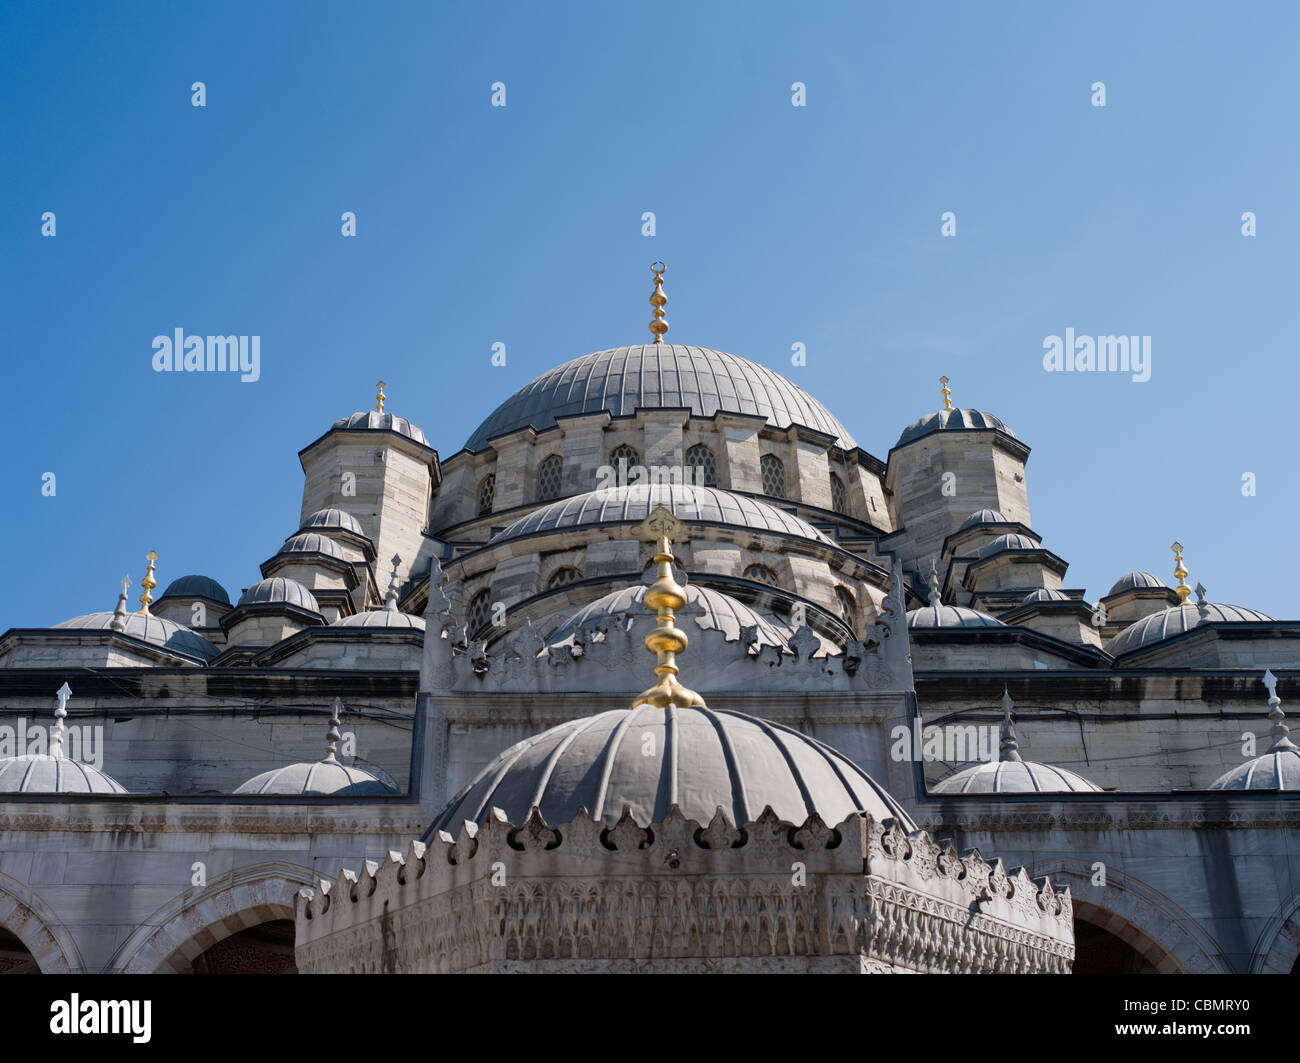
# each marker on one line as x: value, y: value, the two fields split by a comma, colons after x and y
x: 522, y: 225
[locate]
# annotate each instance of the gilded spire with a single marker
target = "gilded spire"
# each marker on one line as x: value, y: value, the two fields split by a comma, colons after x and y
x: 1009, y: 748
x: 1184, y: 591
x: 947, y: 393
x: 658, y: 300
x: 379, y: 399
x: 148, y: 583
x: 665, y: 595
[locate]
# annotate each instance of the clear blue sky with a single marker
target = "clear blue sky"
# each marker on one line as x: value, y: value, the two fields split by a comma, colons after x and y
x: 522, y: 225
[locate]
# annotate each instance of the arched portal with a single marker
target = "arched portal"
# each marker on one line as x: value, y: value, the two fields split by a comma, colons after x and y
x: 266, y: 948
x: 15, y: 957
x: 27, y: 923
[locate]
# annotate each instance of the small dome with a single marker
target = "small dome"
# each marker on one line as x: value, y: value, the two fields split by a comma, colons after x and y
x: 950, y: 420
x: 318, y: 777
x: 392, y: 619
x: 702, y: 759
x: 939, y: 615
x: 984, y: 516
x: 1137, y: 581
x: 373, y: 420
x: 312, y: 543
x: 196, y: 587
x: 1013, y: 777
x: 697, y: 505
x: 279, y: 590
x: 720, y: 612
x: 1273, y: 771
x: 1004, y: 543
x: 657, y: 376
x: 333, y: 518
x: 148, y: 628
x: 1174, y: 621
x: 42, y: 773
x: 1045, y: 595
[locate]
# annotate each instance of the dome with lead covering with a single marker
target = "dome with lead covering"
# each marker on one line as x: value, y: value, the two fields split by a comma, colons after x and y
x: 279, y: 590
x: 1137, y: 581
x: 983, y: 516
x: 696, y: 505
x: 953, y: 420
x: 196, y: 587
x: 1044, y: 594
x: 625, y: 379
x: 1174, y: 621
x: 1013, y: 777
x: 391, y: 619
x: 373, y: 420
x: 333, y: 518
x: 713, y: 611
x: 699, y: 759
x: 1003, y: 543
x: 312, y: 543
x: 148, y: 628
x: 936, y: 615
x: 41, y: 773
x: 1279, y: 767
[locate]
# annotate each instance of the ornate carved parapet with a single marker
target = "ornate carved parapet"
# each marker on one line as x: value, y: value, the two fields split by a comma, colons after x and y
x: 675, y: 895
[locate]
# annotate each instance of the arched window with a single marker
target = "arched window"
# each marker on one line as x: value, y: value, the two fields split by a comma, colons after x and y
x: 487, y: 492
x: 701, y: 467
x: 848, y: 607
x: 773, y: 476
x: 548, y: 478
x: 624, y: 452
x: 478, y: 613
x: 839, y: 497
x: 762, y: 574
x: 561, y: 576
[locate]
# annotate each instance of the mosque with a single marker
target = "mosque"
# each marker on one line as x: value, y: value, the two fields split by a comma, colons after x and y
x: 876, y: 730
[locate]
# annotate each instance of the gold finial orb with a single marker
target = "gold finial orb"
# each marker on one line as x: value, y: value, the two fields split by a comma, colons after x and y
x: 1180, y: 573
x: 379, y: 399
x: 665, y: 596
x: 148, y: 583
x: 658, y: 300
x: 947, y: 401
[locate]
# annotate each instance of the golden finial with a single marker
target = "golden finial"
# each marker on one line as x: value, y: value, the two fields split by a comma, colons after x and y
x: 664, y: 596
x: 1184, y: 591
x: 148, y: 583
x: 947, y: 402
x: 379, y: 399
x: 658, y: 300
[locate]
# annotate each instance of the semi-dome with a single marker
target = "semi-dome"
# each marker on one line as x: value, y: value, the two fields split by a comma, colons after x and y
x: 953, y: 420
x: 196, y: 587
x: 1174, y: 621
x: 41, y: 773
x: 716, y: 611
x: 1045, y: 594
x: 698, y: 505
x: 936, y: 614
x: 312, y: 543
x: 1003, y: 543
x: 651, y: 376
x: 333, y: 518
x: 700, y: 760
x: 148, y: 628
x: 373, y: 420
x: 280, y: 590
x: 1137, y: 581
x: 983, y: 516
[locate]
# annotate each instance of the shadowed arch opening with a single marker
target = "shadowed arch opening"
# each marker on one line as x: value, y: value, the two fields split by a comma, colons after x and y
x: 15, y: 957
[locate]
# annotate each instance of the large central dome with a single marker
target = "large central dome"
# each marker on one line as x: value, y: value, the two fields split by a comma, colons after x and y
x: 667, y: 375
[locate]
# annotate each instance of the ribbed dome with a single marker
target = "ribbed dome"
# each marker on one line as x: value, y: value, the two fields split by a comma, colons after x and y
x: 278, y: 590
x: 1004, y: 543
x: 949, y: 420
x: 983, y: 516
x: 318, y: 777
x: 1272, y: 771
x: 1136, y: 581
x: 381, y: 422
x: 624, y: 379
x: 696, y: 505
x: 1013, y: 777
x: 937, y: 615
x: 333, y: 518
x: 41, y: 773
x: 148, y: 628
x: 312, y: 543
x: 196, y: 587
x: 700, y: 760
x: 721, y: 612
x: 392, y: 619
x: 1170, y: 622
x: 1045, y: 595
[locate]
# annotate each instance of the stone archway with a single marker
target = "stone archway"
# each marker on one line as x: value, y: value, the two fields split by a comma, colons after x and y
x: 25, y: 916
x: 1151, y: 924
x: 177, y: 934
x: 1277, y: 950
